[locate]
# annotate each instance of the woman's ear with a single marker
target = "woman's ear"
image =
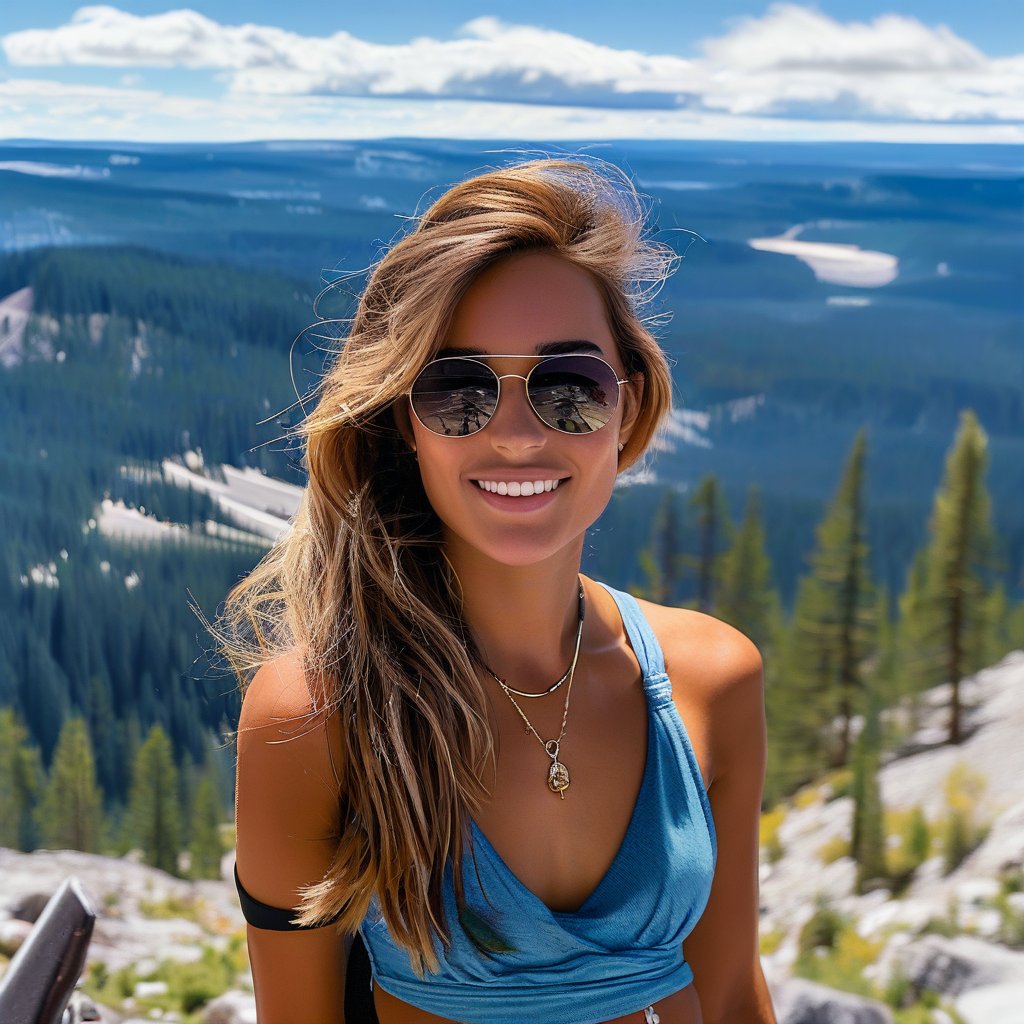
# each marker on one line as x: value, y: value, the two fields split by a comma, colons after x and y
x: 632, y: 402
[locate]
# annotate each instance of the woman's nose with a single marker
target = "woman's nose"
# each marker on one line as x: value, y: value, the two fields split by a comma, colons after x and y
x: 514, y: 423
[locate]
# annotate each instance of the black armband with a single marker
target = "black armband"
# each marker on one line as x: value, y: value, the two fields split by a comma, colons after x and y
x: 274, y: 919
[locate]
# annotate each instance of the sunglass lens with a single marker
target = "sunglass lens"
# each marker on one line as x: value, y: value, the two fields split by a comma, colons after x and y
x: 574, y: 394
x: 455, y: 397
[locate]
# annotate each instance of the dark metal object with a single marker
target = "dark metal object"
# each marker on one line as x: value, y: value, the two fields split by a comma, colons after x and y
x: 42, y: 976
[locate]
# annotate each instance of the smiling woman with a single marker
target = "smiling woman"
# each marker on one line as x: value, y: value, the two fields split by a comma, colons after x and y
x: 428, y: 604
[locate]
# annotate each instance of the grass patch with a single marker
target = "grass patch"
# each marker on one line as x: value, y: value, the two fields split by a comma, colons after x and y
x: 769, y: 940
x: 838, y: 783
x: 808, y: 796
x: 769, y: 833
x: 833, y: 849
x: 190, y: 986
x: 841, y: 964
x: 190, y: 908
x: 960, y: 830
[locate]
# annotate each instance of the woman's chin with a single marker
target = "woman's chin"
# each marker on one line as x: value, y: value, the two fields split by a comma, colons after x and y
x: 512, y: 547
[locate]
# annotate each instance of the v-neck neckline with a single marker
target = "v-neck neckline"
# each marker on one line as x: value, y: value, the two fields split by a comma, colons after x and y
x: 488, y: 846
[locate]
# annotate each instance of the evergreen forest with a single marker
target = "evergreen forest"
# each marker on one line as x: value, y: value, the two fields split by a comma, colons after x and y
x: 839, y: 482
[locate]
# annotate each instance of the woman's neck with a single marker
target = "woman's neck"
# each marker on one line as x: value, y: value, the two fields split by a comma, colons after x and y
x: 524, y: 618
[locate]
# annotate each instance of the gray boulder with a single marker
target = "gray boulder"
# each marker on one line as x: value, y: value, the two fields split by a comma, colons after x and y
x: 953, y: 966
x: 798, y: 1001
x: 231, y: 1008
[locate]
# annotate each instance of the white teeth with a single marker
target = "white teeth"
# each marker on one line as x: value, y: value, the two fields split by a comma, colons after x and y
x: 517, y: 489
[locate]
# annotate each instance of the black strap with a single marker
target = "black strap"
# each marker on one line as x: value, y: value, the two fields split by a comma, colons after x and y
x: 274, y: 919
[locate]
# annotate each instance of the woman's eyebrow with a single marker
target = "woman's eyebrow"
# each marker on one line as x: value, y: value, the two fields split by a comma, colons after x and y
x: 546, y: 348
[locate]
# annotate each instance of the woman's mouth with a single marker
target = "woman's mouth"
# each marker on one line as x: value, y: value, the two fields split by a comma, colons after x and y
x: 515, y: 495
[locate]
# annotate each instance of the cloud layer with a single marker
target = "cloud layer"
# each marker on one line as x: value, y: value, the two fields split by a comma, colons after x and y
x: 791, y: 63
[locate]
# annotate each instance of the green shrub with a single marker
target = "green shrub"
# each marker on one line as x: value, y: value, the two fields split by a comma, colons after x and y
x: 769, y: 833
x: 834, y: 954
x: 910, y: 827
x: 918, y: 838
x: 956, y: 844
x: 194, y: 984
x: 821, y: 929
x: 841, y: 782
x: 1011, y: 927
x: 833, y: 849
x: 964, y: 789
x: 898, y: 990
x: 769, y: 940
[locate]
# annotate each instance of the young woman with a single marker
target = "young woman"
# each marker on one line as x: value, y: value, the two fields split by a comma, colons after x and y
x: 520, y: 789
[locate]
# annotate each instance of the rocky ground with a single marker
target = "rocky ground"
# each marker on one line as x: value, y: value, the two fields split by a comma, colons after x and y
x: 144, y: 915
x: 980, y: 976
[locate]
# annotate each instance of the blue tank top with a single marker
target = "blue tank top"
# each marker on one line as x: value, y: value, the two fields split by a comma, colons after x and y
x: 622, y: 949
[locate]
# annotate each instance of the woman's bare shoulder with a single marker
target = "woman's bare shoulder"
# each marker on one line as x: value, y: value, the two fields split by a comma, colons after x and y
x: 281, y: 707
x: 287, y: 783
x: 717, y: 679
x: 713, y: 653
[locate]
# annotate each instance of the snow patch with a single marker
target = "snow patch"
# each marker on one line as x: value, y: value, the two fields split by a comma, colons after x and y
x: 834, y: 262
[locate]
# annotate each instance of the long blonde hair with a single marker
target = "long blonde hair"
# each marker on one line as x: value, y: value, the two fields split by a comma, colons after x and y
x: 359, y: 583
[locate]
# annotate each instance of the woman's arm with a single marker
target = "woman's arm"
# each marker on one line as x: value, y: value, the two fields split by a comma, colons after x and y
x: 723, y: 947
x: 286, y: 808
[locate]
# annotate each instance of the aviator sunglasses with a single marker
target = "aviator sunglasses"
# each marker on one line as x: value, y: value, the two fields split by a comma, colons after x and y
x: 456, y: 396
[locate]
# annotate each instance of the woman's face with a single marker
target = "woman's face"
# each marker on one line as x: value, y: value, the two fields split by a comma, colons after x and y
x: 519, y: 304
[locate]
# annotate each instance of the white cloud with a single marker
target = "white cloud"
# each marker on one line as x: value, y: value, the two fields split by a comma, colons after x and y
x: 793, y: 64
x: 794, y: 38
x: 796, y: 61
x: 39, y: 108
x: 491, y: 60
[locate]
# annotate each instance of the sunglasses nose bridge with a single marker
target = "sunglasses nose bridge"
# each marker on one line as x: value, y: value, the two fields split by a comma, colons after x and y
x: 502, y: 395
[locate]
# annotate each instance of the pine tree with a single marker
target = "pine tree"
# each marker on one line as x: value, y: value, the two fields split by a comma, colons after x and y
x: 799, y: 701
x: 22, y: 778
x: 745, y: 595
x: 188, y: 782
x: 709, y: 505
x: 663, y: 561
x: 835, y: 618
x: 1015, y: 627
x: 70, y: 815
x: 153, y: 805
x: 918, y: 638
x: 919, y: 840
x: 960, y: 552
x: 206, y: 848
x: 883, y: 672
x: 867, y: 844
x: 996, y: 642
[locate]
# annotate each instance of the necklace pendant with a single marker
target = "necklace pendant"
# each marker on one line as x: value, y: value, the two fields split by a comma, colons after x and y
x: 558, y: 778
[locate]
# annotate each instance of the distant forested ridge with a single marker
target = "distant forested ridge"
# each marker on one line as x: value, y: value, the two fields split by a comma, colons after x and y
x: 177, y: 336
x: 129, y: 356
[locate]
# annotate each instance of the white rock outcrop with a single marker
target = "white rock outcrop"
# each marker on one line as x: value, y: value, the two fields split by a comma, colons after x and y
x: 981, y: 977
x: 125, y: 894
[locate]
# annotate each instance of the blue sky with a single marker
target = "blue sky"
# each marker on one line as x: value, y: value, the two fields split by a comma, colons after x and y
x: 219, y: 70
